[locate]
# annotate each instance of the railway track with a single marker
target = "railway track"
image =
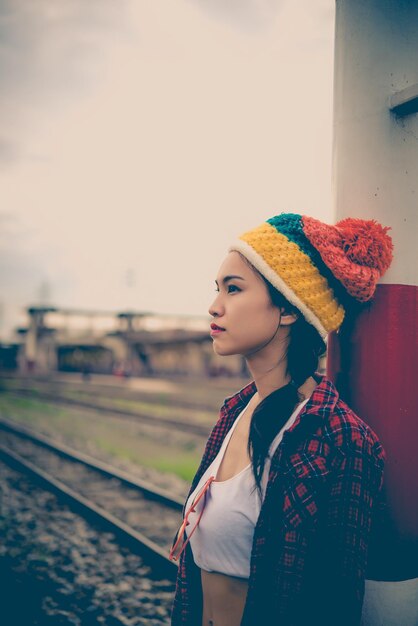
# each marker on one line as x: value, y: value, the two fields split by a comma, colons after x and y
x: 186, y: 426
x: 139, y: 515
x: 184, y: 395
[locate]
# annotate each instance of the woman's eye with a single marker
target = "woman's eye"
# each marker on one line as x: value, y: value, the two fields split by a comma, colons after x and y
x: 230, y: 289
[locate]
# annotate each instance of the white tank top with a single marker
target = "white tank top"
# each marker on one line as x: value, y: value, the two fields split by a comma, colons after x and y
x: 223, y: 539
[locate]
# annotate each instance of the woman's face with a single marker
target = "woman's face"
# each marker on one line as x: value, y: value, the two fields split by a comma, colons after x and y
x: 242, y: 308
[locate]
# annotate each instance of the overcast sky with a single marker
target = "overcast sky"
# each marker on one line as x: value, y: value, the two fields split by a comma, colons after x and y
x: 138, y: 138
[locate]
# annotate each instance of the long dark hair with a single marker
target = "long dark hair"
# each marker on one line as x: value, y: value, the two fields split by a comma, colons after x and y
x: 304, y: 350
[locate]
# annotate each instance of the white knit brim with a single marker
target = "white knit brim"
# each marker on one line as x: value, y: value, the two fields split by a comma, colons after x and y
x: 255, y: 259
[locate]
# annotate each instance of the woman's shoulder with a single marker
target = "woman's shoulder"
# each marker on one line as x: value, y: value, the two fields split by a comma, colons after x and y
x: 343, y: 428
x: 329, y: 436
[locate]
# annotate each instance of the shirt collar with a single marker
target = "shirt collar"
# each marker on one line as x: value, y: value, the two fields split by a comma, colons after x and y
x: 321, y: 403
x: 319, y: 406
x: 242, y: 397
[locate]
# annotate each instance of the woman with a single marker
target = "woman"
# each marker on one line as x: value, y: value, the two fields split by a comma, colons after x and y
x: 277, y: 522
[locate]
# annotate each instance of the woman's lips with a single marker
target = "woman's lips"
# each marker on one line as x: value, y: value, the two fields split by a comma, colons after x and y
x: 216, y: 330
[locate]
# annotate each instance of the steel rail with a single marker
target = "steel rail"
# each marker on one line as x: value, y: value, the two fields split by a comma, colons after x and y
x: 189, y: 427
x: 91, y: 388
x: 152, y: 553
x: 150, y: 492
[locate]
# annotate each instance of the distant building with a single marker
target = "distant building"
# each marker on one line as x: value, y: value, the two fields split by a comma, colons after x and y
x: 125, y: 344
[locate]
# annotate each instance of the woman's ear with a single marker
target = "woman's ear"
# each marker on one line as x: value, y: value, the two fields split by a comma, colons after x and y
x: 287, y: 318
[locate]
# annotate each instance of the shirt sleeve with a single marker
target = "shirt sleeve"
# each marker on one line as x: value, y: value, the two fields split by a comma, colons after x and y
x: 337, y: 567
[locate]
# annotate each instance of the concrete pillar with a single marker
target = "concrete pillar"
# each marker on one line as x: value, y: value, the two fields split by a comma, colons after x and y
x: 375, y: 176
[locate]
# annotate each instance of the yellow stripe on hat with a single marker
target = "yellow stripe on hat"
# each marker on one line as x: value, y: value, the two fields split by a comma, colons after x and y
x: 291, y: 271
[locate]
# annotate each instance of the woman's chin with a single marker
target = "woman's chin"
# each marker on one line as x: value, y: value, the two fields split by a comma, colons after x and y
x: 223, y: 350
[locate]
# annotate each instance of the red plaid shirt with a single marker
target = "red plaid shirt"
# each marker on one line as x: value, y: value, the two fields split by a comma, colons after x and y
x: 309, y: 552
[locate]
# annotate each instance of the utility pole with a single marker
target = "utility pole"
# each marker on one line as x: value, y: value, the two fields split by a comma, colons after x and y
x: 375, y: 176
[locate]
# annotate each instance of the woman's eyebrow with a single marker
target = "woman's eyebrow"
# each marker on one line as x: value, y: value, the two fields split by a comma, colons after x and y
x: 231, y: 277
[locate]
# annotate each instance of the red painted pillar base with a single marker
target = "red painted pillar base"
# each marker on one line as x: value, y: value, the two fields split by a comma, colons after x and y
x: 373, y: 362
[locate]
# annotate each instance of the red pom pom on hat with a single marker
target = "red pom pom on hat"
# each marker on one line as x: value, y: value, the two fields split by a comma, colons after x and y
x: 358, y: 252
x: 365, y: 242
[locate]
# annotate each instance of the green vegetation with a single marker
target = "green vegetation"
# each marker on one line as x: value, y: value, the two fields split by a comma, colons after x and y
x: 154, y: 405
x: 146, y: 408
x: 183, y: 467
x: 107, y: 437
x: 28, y: 410
x: 194, y: 394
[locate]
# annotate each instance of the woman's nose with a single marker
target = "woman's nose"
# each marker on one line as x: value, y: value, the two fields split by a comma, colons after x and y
x: 216, y: 308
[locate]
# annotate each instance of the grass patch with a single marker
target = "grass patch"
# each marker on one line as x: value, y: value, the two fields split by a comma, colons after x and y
x: 105, y: 436
x: 183, y: 467
x: 27, y: 407
x: 157, y: 410
x: 148, y: 452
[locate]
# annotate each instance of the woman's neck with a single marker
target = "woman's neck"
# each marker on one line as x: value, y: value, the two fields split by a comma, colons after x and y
x: 268, y: 377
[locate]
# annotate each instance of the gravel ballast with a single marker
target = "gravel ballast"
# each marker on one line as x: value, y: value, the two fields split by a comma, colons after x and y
x: 57, y: 569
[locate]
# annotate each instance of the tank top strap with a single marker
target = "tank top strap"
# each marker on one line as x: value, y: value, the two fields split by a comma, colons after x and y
x: 214, y: 466
x: 212, y: 470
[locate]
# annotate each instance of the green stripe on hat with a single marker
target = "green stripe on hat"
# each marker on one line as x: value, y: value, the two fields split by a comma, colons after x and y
x: 291, y: 225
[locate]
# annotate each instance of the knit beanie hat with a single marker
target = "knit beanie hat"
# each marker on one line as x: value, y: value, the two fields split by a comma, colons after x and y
x: 318, y: 267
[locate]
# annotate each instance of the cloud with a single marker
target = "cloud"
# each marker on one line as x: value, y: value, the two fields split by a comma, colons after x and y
x: 153, y: 148
x: 27, y: 267
x: 49, y: 51
x: 260, y: 15
x: 250, y: 15
x: 8, y: 151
